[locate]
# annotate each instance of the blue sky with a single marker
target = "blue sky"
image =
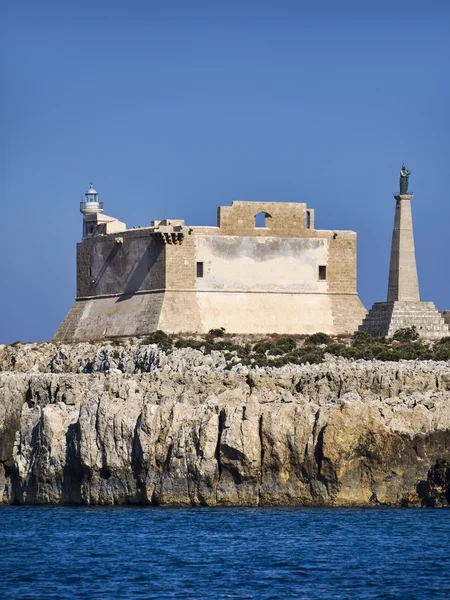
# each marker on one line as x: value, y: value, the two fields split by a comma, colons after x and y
x: 175, y: 107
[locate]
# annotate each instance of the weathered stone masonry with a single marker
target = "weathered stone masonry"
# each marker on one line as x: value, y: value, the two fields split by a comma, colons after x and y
x: 284, y: 277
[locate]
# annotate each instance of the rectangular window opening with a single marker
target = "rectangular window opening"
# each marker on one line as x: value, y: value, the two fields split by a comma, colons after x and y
x: 308, y: 220
x: 322, y: 273
x: 89, y: 272
x: 199, y: 269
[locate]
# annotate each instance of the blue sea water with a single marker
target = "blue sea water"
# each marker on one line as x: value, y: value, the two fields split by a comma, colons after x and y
x: 127, y: 553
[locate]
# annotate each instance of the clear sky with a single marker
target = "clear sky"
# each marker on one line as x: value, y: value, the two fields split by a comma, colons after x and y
x: 174, y: 107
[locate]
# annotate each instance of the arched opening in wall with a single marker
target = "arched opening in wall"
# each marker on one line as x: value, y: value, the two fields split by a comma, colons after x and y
x: 308, y: 220
x: 262, y: 219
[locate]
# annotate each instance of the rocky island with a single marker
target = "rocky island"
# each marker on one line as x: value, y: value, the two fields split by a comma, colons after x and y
x: 118, y: 423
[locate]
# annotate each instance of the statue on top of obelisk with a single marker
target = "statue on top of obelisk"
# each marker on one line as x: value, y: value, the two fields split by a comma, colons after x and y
x: 404, y: 180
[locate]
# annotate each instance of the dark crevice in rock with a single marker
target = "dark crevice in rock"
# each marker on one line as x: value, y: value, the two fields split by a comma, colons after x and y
x: 154, y: 500
x: 318, y: 451
x: 73, y: 470
x: 222, y: 417
x: 5, y: 485
x: 250, y: 381
x: 374, y: 499
x: 29, y: 399
x: 137, y: 467
x: 105, y: 473
x: 326, y: 474
x: 168, y: 457
x: 261, y: 445
x: 6, y: 469
x: 435, y: 490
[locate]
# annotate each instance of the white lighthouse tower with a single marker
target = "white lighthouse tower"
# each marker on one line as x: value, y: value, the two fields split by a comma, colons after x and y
x: 90, y: 208
x: 94, y: 221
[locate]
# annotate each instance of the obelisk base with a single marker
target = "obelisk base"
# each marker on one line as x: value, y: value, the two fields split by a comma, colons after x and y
x: 384, y: 318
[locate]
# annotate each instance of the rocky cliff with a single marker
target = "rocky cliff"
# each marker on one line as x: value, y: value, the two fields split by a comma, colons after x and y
x: 130, y: 424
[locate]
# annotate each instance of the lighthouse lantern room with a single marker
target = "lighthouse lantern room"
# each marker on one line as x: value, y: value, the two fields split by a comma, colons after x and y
x: 90, y: 207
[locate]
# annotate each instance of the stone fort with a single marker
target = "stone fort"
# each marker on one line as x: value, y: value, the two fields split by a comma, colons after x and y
x: 263, y: 269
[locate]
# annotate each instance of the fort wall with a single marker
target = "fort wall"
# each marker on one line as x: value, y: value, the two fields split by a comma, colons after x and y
x: 125, y: 264
x: 283, y: 277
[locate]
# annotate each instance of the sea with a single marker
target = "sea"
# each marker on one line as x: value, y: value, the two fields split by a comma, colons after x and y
x: 261, y: 553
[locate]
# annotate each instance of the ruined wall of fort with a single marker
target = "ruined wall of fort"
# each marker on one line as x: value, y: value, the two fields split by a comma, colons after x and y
x: 284, y: 219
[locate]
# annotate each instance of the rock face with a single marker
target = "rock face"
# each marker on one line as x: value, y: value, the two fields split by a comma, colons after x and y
x: 114, y: 425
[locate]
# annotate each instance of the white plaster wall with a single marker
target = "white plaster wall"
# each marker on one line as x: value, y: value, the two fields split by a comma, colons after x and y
x: 265, y: 313
x: 261, y: 263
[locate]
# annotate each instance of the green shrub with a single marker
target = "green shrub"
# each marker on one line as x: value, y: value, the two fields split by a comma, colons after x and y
x: 384, y: 352
x: 314, y: 356
x: 15, y: 344
x: 244, y: 350
x: 225, y: 347
x: 281, y: 361
x: 259, y: 360
x: 349, y: 352
x: 317, y: 339
x: 414, y: 351
x: 406, y: 334
x: 360, y: 338
x: 189, y: 343
x: 263, y: 347
x: 276, y: 348
x: 161, y: 339
x: 217, y: 333
x: 286, y: 343
x: 441, y: 352
x: 338, y: 349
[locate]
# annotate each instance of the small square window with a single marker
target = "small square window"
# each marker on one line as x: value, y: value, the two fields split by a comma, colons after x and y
x: 322, y: 273
x: 199, y: 269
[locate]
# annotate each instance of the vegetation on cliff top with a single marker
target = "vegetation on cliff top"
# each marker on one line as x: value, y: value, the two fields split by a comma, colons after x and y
x: 272, y: 350
x: 276, y: 351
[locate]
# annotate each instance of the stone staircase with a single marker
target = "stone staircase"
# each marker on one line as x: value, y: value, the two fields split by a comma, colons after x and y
x: 385, y: 318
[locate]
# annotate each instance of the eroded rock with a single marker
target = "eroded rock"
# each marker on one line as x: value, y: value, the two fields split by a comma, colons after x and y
x: 182, y: 430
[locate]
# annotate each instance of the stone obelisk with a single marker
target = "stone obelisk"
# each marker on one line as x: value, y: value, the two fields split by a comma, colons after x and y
x: 403, y: 307
x: 403, y: 281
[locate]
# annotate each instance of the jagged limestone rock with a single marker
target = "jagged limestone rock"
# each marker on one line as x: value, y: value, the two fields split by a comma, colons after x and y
x: 182, y: 430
